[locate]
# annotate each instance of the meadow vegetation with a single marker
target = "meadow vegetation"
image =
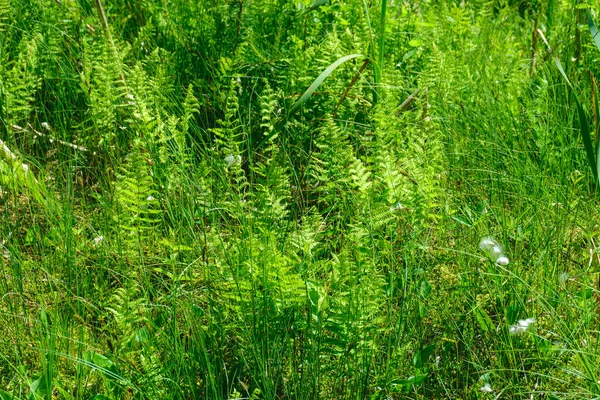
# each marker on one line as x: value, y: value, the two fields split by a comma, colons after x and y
x: 196, y: 204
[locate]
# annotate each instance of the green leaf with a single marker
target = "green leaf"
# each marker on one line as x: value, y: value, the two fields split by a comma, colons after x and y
x: 424, y: 288
x: 562, y: 71
x: 7, y: 396
x: 409, y: 382
x: 593, y: 30
x: 483, y: 319
x: 102, y: 364
x: 414, y: 43
x: 316, y: 4
x: 583, y: 6
x: 421, y: 357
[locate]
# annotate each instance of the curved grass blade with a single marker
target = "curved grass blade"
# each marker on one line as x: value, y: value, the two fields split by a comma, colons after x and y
x: 563, y: 73
x: 317, y: 82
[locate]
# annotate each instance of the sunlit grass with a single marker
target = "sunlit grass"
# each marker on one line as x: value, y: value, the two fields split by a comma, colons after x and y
x: 193, y: 222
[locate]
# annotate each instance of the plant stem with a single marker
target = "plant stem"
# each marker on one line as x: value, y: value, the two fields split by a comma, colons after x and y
x: 379, y: 67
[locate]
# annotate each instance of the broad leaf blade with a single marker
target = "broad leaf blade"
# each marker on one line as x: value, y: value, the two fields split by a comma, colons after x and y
x: 593, y: 30
x: 316, y: 4
x: 562, y: 72
x: 7, y: 396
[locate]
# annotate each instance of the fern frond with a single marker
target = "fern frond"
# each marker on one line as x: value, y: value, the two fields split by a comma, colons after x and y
x: 20, y: 83
x: 138, y: 209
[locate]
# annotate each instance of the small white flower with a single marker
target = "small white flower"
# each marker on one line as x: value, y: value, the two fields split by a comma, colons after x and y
x: 526, y: 322
x: 521, y: 326
x: 7, y: 151
x: 231, y: 159
x: 46, y: 126
x: 486, y: 243
x: 493, y: 250
x: 26, y: 168
x: 486, y: 388
x: 502, y: 260
x: 398, y: 206
x: 98, y: 241
x: 514, y: 329
x: 150, y: 198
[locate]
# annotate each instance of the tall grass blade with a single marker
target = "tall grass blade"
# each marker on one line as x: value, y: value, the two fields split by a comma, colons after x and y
x: 584, y: 126
x: 563, y: 73
x: 550, y: 15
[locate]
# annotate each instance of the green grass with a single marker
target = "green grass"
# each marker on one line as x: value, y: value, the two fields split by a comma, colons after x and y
x: 193, y: 222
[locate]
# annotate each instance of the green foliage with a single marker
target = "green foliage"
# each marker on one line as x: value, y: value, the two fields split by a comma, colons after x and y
x: 20, y: 82
x: 201, y: 202
x: 138, y: 209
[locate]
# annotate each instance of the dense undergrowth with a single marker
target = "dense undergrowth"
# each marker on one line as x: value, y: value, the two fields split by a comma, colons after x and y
x: 171, y: 230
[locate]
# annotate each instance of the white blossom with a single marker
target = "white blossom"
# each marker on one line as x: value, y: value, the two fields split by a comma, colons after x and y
x: 46, y: 126
x: 502, y: 260
x: 6, y: 151
x: 486, y: 388
x: 233, y: 159
x: 493, y: 250
x: 150, y: 198
x: 98, y: 240
x: 398, y: 206
x: 521, y: 326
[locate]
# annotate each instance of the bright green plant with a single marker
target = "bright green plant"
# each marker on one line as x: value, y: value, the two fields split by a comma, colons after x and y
x: 214, y: 208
